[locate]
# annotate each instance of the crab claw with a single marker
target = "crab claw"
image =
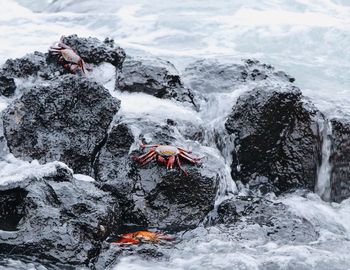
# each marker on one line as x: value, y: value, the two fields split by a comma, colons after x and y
x: 127, y: 239
x: 142, y: 145
x: 142, y: 237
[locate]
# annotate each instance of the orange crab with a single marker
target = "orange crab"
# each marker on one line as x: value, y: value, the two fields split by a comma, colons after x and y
x: 166, y: 154
x: 68, y: 57
x: 142, y: 237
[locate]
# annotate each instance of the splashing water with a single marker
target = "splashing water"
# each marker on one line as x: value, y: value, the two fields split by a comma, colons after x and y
x: 307, y: 39
x: 323, y: 185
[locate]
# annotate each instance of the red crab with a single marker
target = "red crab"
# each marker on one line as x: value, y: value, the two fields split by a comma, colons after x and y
x: 166, y: 154
x: 142, y: 237
x: 68, y: 57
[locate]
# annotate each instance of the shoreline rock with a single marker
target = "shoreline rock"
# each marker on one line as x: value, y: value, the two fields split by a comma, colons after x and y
x: 277, y: 140
x: 55, y: 217
x: 63, y: 120
x: 340, y: 160
x: 153, y: 196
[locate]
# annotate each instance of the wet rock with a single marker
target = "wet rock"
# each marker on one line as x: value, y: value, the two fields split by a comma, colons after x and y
x: 340, y: 160
x: 272, y: 218
x: 26, y: 66
x: 211, y: 76
x: 277, y: 142
x: 7, y: 86
x: 37, y: 65
x: 154, y: 77
x: 55, y: 217
x: 92, y: 50
x: 111, y: 254
x: 46, y: 65
x: 153, y: 196
x: 66, y: 119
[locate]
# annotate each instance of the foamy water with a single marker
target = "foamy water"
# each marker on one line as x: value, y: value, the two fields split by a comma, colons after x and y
x: 306, y: 38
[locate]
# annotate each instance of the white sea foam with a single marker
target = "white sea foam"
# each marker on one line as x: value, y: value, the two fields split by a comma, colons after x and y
x: 307, y: 38
x: 14, y: 170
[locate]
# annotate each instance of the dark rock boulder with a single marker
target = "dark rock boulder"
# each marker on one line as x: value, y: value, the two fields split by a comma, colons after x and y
x: 52, y: 216
x: 111, y: 254
x: 7, y: 86
x: 66, y: 120
x: 24, y: 67
x: 340, y: 160
x: 277, y: 142
x: 92, y: 50
x: 152, y: 196
x: 275, y: 222
x: 28, y: 65
x: 36, y: 65
x: 46, y: 66
x: 154, y: 77
x: 211, y: 76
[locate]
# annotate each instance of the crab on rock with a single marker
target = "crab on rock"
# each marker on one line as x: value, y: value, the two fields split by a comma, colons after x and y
x: 68, y: 57
x: 142, y: 237
x: 166, y: 154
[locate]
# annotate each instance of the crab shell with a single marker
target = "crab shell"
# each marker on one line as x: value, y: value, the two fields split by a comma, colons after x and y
x: 167, y: 155
x: 142, y: 237
x: 167, y: 150
x: 70, y: 56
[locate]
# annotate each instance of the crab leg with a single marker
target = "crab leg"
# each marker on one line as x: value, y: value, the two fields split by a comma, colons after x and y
x: 63, y: 45
x: 161, y: 159
x: 188, y: 158
x: 185, y: 150
x: 179, y: 164
x: 149, y: 159
x: 73, y: 68
x: 82, y: 65
x: 147, y: 146
x: 55, y: 50
x: 170, y: 163
x: 127, y: 239
x: 144, y: 156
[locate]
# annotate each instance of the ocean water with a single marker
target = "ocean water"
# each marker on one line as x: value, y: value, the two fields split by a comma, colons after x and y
x: 308, y: 39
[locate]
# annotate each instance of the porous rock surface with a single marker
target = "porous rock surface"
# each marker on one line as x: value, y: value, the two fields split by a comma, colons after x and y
x: 340, y: 160
x: 46, y: 66
x: 157, y: 78
x: 7, y: 86
x: 55, y: 217
x: 277, y: 140
x: 153, y: 196
x: 64, y: 120
x: 212, y: 76
x: 94, y: 51
x: 275, y: 222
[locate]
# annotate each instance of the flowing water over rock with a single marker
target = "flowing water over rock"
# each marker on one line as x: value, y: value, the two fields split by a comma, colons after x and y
x: 260, y: 135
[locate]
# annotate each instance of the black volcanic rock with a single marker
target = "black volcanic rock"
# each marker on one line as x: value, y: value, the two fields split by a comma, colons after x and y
x: 26, y: 66
x: 340, y: 160
x: 7, y: 86
x: 92, y: 50
x: 153, y: 77
x: 36, y: 65
x: 210, y: 76
x: 275, y: 221
x: 66, y: 119
x: 55, y: 217
x: 152, y: 196
x: 277, y: 142
x: 46, y: 66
